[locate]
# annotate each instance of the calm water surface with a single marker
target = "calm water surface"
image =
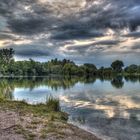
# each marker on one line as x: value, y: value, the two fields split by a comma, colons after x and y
x: 109, y: 108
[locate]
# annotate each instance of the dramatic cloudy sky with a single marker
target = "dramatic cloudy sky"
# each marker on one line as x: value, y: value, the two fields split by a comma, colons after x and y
x: 95, y: 31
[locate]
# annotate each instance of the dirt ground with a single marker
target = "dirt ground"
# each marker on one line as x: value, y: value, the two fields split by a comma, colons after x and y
x: 16, y: 126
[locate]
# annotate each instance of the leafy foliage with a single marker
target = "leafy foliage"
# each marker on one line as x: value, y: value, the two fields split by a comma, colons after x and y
x: 117, y: 65
x: 9, y: 67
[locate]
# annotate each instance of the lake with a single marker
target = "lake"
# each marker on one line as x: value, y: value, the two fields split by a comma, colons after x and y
x: 108, y: 107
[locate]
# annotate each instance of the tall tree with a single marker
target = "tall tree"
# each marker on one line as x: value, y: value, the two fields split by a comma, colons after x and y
x: 6, y: 55
x: 117, y: 65
x: 90, y: 69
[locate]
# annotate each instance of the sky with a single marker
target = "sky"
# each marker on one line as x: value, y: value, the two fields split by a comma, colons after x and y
x: 85, y: 31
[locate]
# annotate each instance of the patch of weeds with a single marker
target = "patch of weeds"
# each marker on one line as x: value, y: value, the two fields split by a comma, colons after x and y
x: 31, y: 127
x: 26, y: 134
x: 35, y: 122
x: 51, y: 117
x: 43, y: 133
x: 53, y: 104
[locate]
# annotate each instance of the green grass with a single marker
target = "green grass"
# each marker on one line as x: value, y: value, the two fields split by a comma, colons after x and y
x: 52, y: 128
x: 45, y: 115
x: 53, y: 104
x: 28, y: 135
x: 50, y: 110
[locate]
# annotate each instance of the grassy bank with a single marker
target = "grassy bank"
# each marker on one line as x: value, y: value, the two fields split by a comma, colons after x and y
x: 50, y: 110
x: 21, y: 121
x: 28, y: 118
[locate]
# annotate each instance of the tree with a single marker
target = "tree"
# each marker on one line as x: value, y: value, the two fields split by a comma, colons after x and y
x: 107, y: 72
x: 117, y: 66
x: 70, y: 69
x: 6, y: 55
x: 131, y: 69
x: 90, y: 69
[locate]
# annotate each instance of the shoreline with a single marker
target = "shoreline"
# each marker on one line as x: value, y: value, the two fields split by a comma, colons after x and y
x: 63, y: 75
x: 96, y: 134
x: 21, y: 121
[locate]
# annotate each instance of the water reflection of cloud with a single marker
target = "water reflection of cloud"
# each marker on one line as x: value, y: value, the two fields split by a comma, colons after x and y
x: 39, y: 95
x: 112, y: 106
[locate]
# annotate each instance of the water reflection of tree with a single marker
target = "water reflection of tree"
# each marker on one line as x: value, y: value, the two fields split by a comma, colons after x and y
x: 118, y: 82
x: 106, y: 77
x: 87, y: 80
x: 132, y: 78
x: 8, y: 85
x: 6, y: 89
x: 59, y: 82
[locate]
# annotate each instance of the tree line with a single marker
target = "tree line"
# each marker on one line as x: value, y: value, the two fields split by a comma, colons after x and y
x: 10, y: 67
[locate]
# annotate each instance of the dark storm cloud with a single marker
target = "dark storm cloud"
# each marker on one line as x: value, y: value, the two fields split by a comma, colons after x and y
x: 98, y: 45
x: 75, y: 34
x: 8, y: 7
x: 35, y: 49
x: 30, y: 50
x: 107, y: 42
x: 32, y: 53
x: 26, y: 22
x: 133, y: 34
x: 109, y: 14
x: 136, y: 47
x: 30, y: 19
x: 103, y: 18
x: 29, y: 26
x: 4, y: 36
x: 118, y: 14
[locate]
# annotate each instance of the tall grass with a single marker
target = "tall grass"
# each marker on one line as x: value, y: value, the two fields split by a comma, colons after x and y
x: 53, y: 104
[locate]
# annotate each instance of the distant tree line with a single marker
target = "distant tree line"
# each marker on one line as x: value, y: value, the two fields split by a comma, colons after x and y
x: 10, y: 67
